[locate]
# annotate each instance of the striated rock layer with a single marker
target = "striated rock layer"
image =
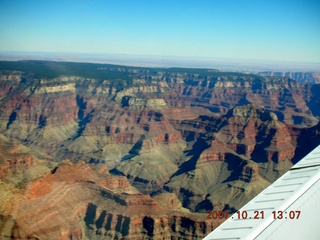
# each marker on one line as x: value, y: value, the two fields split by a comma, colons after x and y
x: 75, y: 201
x: 178, y: 142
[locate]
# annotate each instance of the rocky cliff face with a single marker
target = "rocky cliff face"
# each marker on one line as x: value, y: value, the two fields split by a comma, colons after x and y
x: 238, y: 154
x: 77, y: 201
x: 177, y: 143
x: 18, y: 165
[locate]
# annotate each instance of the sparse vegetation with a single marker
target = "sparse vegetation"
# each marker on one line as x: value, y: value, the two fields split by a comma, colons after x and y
x: 49, y: 69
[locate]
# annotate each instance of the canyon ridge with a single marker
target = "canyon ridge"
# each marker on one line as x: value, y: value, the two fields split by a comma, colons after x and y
x: 100, y: 151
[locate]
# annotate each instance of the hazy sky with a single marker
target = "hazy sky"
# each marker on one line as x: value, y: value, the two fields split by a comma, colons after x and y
x: 281, y: 30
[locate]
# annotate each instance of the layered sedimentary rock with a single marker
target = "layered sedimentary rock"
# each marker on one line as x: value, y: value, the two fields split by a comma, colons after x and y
x: 243, y: 151
x: 176, y: 142
x: 74, y: 201
x: 18, y: 165
x: 49, y: 113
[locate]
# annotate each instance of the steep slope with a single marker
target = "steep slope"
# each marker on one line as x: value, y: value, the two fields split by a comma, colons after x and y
x: 102, y: 120
x: 76, y: 201
x: 176, y: 141
x: 18, y: 165
x: 235, y: 157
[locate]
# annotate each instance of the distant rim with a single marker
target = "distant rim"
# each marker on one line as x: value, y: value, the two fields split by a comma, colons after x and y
x: 223, y: 64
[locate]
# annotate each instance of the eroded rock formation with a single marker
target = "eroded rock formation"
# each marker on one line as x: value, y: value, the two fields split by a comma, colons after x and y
x: 177, y: 143
x: 76, y: 201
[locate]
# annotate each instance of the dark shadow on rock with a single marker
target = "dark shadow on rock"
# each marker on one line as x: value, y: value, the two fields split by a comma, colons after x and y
x: 42, y: 121
x: 235, y: 166
x: 115, y: 171
x: 100, y: 220
x: 185, y: 197
x: 90, y: 214
x: 135, y: 150
x: 187, y: 223
x: 83, y: 123
x: 119, y: 223
x: 243, y: 101
x: 114, y: 197
x: 202, y: 143
x: 82, y: 107
x: 109, y: 221
x: 125, y: 101
x: 263, y: 140
x: 314, y: 102
x: 308, y: 140
x: 12, y: 118
x: 125, y: 226
x: 230, y: 209
x: 203, y: 206
x: 148, y: 224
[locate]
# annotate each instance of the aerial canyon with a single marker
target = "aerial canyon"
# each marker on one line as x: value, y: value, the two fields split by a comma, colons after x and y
x: 98, y: 151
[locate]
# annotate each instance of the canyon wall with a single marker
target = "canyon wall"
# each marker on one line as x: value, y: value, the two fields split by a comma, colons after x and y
x: 158, y: 149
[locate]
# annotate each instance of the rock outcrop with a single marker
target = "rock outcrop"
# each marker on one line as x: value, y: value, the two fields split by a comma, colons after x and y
x: 77, y: 201
x: 239, y: 153
x: 177, y: 142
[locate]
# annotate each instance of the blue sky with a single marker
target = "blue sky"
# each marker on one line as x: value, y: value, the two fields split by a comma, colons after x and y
x: 276, y: 30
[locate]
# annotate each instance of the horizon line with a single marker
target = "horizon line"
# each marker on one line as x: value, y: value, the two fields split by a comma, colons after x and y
x: 165, y: 61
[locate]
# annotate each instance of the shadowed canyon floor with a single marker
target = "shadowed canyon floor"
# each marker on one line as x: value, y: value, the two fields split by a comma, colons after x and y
x: 96, y: 151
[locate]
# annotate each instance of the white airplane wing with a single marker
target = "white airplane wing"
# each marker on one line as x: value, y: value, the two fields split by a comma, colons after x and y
x: 288, y: 209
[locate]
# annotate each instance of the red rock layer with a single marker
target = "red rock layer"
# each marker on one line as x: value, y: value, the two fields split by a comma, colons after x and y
x: 76, y: 202
x: 13, y: 159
